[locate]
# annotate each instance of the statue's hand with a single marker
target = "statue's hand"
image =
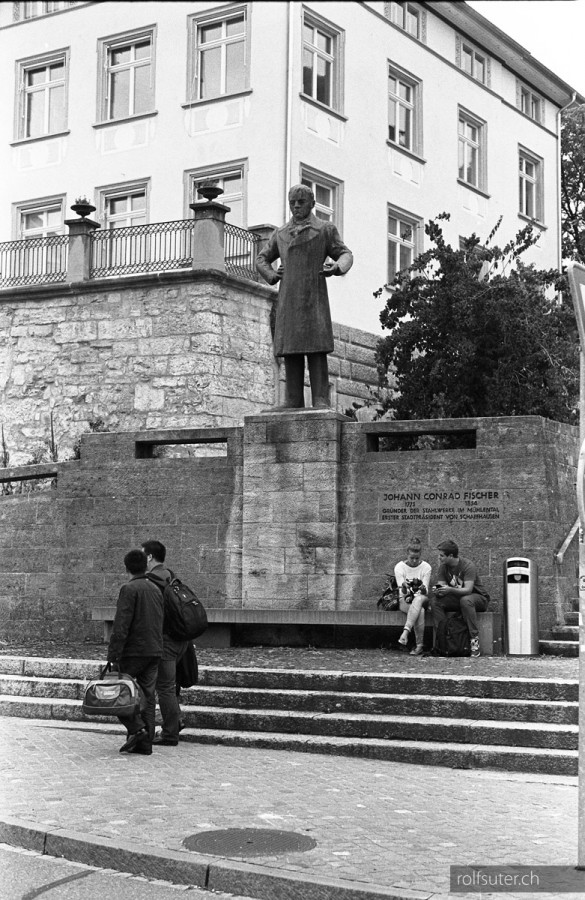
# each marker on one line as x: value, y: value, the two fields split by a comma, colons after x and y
x: 330, y: 269
x: 279, y: 272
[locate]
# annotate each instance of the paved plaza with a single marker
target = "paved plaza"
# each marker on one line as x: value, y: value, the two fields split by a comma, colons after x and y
x: 383, y: 828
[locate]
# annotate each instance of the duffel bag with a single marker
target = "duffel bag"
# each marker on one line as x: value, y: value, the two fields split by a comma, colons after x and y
x: 112, y: 694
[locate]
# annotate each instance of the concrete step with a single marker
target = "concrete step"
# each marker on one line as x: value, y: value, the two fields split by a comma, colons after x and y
x: 358, y: 726
x: 563, y: 712
x: 411, y: 684
x: 559, y: 648
x: 460, y: 756
x: 560, y: 712
x: 565, y: 633
x: 394, y: 683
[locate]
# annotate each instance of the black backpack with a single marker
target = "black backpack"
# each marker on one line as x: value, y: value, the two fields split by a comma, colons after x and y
x: 185, y: 616
x: 453, y: 637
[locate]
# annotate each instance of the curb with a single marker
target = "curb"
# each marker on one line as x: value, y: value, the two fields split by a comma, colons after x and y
x: 184, y: 868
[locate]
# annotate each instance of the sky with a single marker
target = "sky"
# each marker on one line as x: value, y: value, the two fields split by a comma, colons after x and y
x: 553, y: 31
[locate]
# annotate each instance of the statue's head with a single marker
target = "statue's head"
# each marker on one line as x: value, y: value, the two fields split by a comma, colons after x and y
x: 301, y: 201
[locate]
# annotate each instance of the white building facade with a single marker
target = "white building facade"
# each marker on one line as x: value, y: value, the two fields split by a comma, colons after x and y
x: 392, y: 112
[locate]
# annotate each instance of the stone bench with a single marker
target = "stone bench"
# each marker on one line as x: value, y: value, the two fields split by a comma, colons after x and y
x: 223, y: 622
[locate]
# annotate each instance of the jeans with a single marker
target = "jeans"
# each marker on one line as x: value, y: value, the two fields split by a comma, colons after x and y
x: 166, y: 689
x: 469, y: 605
x: 144, y: 669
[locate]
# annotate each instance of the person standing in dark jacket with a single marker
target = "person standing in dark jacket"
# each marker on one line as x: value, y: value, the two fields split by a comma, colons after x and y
x: 173, y: 651
x: 136, y: 646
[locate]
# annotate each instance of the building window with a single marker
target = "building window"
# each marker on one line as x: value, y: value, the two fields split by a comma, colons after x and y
x: 39, y: 8
x: 471, y: 151
x: 218, y: 54
x: 231, y: 179
x: 42, y: 106
x: 322, y: 61
x: 529, y: 185
x: 472, y: 61
x: 127, y: 64
x: 40, y: 218
x: 124, y: 207
x: 403, y: 237
x: 403, y: 102
x: 529, y: 103
x: 407, y: 16
x: 327, y: 194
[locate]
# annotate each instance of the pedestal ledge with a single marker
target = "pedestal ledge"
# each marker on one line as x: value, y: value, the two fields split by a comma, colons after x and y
x: 299, y: 414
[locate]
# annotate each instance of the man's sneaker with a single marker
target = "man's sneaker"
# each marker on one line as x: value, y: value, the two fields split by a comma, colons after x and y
x: 418, y: 650
x: 475, y: 647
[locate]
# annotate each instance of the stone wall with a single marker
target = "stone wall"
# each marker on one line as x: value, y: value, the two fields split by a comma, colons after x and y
x: 174, y: 350
x: 298, y: 509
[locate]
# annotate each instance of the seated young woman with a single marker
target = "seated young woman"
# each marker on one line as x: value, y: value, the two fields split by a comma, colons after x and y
x: 413, y: 575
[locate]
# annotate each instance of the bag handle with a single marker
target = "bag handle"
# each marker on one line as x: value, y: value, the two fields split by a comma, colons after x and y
x: 108, y: 668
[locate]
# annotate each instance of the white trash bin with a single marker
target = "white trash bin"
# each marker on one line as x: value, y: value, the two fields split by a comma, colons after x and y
x: 521, y: 607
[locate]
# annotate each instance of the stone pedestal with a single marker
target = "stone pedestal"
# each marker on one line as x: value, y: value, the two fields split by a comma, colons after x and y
x: 79, y: 259
x: 208, y: 235
x: 290, y: 509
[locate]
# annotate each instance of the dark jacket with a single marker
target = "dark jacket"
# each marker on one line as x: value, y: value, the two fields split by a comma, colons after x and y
x: 303, y: 317
x: 161, y: 576
x: 138, y: 622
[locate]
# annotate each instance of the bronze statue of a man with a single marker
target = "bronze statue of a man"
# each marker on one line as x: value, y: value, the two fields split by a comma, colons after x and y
x: 303, y: 319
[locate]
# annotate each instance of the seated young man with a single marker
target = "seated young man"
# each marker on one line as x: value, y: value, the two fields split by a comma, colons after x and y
x: 458, y: 588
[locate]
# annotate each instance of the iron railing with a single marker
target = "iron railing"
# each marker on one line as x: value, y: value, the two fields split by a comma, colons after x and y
x: 124, y: 251
x: 38, y: 260
x: 141, y: 248
x: 240, y: 250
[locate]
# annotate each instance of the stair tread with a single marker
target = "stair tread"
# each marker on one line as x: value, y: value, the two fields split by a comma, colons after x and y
x: 434, y: 721
x: 277, y: 737
x: 293, y: 694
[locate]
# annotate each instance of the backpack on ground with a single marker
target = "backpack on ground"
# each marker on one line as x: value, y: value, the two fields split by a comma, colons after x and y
x: 389, y: 601
x: 185, y: 616
x: 453, y: 637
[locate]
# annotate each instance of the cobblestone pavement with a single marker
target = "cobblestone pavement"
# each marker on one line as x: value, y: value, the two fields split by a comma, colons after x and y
x: 387, y: 660
x: 384, y: 823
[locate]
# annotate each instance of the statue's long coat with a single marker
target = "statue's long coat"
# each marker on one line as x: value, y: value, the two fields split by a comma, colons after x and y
x: 303, y: 318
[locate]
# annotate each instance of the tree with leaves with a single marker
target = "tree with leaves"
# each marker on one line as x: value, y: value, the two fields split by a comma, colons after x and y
x: 573, y: 183
x: 476, y: 332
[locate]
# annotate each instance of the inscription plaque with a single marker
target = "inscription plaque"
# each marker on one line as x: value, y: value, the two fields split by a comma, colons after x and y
x: 458, y: 504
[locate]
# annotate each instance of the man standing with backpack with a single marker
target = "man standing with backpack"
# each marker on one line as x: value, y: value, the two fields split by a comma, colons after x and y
x: 458, y: 589
x: 136, y: 644
x: 173, y: 651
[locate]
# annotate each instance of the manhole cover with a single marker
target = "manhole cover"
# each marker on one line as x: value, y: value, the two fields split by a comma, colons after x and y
x: 248, y: 842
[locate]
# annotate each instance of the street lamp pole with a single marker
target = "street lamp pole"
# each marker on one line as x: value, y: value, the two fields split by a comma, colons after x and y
x: 576, y: 275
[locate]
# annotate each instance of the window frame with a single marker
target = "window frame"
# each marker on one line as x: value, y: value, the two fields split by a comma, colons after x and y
x: 523, y: 89
x: 415, y: 106
x: 525, y: 155
x: 396, y: 12
x: 415, y: 223
x: 108, y: 192
x: 63, y: 5
x: 314, y: 178
x: 217, y: 173
x: 40, y: 204
x: 463, y: 45
x: 481, y: 145
x: 105, y: 46
x: 311, y: 19
x: 195, y: 21
x: 29, y: 64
